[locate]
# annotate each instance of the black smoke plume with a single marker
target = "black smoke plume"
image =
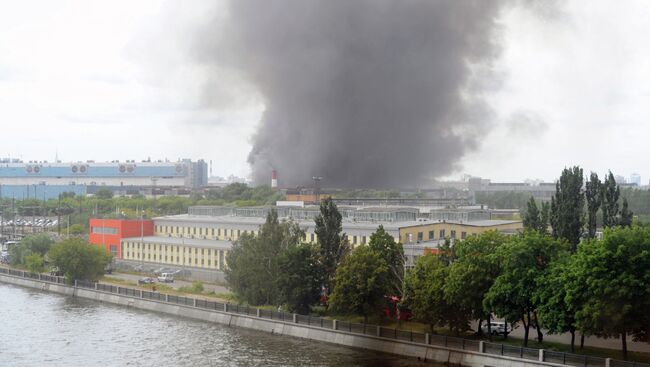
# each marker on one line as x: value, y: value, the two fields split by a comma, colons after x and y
x: 365, y: 93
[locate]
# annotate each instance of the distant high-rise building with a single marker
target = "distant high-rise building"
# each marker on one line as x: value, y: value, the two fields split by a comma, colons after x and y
x: 620, y: 179
x: 635, y: 178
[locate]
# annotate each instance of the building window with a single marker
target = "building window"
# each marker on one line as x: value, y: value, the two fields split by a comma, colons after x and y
x: 312, y: 237
x: 430, y: 235
x: 463, y: 235
x: 104, y: 230
x: 419, y: 236
x: 453, y: 234
x: 196, y: 261
x: 354, y: 240
x: 209, y: 262
x: 114, y: 250
x: 363, y: 240
x: 442, y: 233
x: 212, y: 232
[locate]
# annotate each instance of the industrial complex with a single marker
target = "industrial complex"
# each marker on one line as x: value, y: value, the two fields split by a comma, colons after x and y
x: 202, y: 238
x: 44, y: 180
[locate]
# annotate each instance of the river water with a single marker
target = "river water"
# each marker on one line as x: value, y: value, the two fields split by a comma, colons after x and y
x: 47, y: 329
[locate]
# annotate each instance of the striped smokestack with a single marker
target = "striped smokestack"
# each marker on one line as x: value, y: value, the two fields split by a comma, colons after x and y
x: 274, y: 179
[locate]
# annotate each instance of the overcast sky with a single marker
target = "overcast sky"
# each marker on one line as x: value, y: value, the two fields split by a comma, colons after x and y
x: 117, y: 80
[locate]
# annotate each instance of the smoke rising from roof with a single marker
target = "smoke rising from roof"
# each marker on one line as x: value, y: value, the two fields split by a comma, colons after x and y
x: 365, y: 93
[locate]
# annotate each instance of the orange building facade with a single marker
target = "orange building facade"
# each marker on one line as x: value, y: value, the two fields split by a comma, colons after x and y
x: 108, y: 233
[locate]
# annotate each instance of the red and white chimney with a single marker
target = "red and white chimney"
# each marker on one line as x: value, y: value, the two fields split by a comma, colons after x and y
x: 274, y: 179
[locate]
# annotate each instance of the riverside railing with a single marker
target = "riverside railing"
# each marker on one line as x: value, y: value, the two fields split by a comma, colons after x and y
x: 532, y: 354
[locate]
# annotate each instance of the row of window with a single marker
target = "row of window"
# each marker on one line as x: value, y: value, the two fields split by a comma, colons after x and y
x: 179, y: 255
x: 452, y: 235
x: 200, y: 232
x: 232, y: 234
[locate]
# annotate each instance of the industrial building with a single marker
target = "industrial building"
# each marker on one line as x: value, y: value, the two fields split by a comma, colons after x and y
x: 202, y: 238
x: 44, y: 180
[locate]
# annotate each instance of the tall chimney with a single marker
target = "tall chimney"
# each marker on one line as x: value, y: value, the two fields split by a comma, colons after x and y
x: 274, y: 179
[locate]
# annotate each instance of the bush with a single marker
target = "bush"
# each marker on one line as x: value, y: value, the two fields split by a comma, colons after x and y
x: 34, y: 263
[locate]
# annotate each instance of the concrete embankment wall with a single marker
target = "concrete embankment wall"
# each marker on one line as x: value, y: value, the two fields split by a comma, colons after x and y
x: 403, y: 348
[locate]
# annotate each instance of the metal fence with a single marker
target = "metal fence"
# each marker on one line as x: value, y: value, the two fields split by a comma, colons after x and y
x: 532, y: 354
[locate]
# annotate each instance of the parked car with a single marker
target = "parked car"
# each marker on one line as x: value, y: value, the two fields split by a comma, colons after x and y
x: 146, y: 280
x: 166, y: 278
x: 497, y: 328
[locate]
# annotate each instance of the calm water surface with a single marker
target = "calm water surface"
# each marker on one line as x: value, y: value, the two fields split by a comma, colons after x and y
x: 47, y: 329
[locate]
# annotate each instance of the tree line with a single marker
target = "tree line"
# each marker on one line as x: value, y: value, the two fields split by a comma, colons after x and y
x: 77, y: 209
x: 74, y: 258
x: 562, y: 280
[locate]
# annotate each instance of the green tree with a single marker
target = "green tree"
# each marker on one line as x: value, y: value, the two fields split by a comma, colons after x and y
x: 333, y: 244
x: 76, y: 229
x: 383, y: 243
x: 610, y: 194
x: 300, y: 281
x: 612, y: 280
x: 555, y: 312
x: 626, y: 215
x: 523, y: 260
x: 362, y: 280
x: 253, y: 262
x: 594, y: 196
x: 34, y: 244
x: 473, y: 273
x: 79, y: 260
x: 532, y: 218
x: 34, y: 263
x: 104, y: 193
x: 567, y: 207
x: 425, y: 295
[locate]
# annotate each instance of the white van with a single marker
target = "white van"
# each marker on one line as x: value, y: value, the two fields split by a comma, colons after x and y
x: 497, y: 328
x: 166, y: 278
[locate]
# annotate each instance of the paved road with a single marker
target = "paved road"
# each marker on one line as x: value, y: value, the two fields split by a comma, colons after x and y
x: 589, y: 341
x: 209, y: 287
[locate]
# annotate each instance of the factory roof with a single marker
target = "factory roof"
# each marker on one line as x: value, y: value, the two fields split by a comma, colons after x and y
x: 395, y: 225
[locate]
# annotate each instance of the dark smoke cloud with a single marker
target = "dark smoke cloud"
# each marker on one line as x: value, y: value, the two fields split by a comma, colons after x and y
x: 365, y: 93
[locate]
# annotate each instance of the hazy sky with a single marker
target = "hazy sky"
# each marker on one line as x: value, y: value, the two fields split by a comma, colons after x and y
x: 120, y: 80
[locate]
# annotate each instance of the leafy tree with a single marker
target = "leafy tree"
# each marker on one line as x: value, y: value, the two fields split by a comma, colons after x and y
x: 79, y: 260
x: 523, y: 259
x: 76, y: 229
x: 104, y: 193
x: 300, y: 281
x: 362, y: 281
x: 610, y: 194
x: 567, y: 207
x: 333, y: 244
x: 254, y: 261
x: 555, y: 312
x: 626, y: 215
x: 34, y: 263
x: 35, y: 244
x: 425, y: 295
x: 473, y: 273
x: 383, y: 243
x: 532, y: 216
x: 594, y: 196
x: 613, y: 274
